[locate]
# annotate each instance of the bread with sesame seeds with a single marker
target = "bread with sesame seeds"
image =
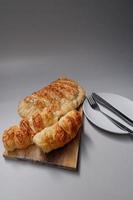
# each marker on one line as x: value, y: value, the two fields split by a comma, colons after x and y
x: 46, y: 106
x: 18, y: 136
x: 60, y: 133
x: 46, y: 110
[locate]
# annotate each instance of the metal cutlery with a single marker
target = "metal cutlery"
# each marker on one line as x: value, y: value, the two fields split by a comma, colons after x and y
x: 107, y: 105
x: 95, y: 106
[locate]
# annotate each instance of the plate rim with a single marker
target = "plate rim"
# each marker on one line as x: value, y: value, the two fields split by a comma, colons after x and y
x: 110, y: 131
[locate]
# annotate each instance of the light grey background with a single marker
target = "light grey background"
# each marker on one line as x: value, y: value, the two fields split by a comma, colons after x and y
x: 90, y: 41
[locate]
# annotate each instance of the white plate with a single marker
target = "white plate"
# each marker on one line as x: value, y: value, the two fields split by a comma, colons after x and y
x: 121, y: 103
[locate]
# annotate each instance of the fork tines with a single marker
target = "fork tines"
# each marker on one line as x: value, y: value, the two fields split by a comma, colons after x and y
x: 91, y: 101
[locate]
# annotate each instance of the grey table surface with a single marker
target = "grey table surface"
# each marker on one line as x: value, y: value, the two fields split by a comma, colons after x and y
x: 90, y: 41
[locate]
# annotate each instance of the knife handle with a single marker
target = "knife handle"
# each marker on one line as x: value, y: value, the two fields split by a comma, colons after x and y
x: 107, y: 105
x: 120, y: 125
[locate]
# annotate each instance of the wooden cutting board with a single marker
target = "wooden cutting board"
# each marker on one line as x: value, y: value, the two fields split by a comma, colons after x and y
x: 66, y: 157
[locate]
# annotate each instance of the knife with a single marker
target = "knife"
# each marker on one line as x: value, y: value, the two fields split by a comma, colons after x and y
x: 107, y: 105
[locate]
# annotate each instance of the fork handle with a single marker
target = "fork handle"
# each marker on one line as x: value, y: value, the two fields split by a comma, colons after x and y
x: 121, y: 126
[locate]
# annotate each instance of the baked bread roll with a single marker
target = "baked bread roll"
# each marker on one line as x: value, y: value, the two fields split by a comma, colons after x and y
x: 18, y: 137
x: 46, y: 106
x: 60, y: 133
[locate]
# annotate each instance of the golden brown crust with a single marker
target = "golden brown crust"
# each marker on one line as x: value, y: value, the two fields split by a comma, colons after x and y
x: 37, y: 122
x: 46, y: 106
x: 18, y: 137
x: 59, y: 134
x: 8, y: 138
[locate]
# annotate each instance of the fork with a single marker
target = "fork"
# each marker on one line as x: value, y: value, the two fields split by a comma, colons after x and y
x: 95, y: 106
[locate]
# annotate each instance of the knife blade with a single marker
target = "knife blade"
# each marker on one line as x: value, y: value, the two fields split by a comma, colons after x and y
x: 107, y: 105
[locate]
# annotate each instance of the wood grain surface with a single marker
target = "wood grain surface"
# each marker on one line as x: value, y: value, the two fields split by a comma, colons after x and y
x: 66, y: 157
